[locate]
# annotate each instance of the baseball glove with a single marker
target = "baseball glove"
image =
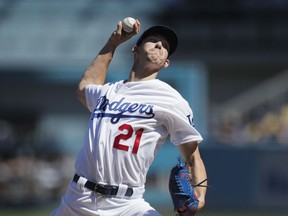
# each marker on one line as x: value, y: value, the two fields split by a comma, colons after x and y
x: 182, y: 192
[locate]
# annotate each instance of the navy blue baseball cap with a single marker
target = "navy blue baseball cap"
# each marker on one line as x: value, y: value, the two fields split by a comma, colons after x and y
x: 164, y: 31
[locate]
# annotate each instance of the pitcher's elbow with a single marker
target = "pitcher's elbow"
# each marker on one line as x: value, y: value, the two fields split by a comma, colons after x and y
x: 80, y: 94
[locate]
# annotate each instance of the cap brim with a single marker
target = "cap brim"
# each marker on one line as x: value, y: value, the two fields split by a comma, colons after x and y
x: 164, y: 31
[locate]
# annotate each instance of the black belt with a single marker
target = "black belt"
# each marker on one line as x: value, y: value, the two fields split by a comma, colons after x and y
x: 107, y: 190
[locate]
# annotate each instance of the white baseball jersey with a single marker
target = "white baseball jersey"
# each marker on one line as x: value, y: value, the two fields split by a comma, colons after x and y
x: 129, y: 123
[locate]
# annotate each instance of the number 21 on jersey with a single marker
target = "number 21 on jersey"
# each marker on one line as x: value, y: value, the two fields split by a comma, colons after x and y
x: 127, y: 134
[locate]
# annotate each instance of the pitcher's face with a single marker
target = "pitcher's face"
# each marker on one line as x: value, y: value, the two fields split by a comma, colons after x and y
x: 155, y: 49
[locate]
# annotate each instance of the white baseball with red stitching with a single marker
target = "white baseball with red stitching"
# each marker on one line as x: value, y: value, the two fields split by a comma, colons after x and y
x: 128, y: 24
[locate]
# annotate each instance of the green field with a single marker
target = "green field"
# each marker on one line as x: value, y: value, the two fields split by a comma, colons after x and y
x: 203, y: 213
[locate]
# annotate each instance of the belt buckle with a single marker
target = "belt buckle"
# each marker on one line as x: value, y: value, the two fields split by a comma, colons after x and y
x: 106, y: 190
x: 99, y: 189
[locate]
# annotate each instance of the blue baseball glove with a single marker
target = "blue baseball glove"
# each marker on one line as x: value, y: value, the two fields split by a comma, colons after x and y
x: 182, y: 191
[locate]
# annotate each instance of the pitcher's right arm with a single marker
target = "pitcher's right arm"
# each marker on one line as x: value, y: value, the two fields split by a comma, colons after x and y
x: 97, y: 70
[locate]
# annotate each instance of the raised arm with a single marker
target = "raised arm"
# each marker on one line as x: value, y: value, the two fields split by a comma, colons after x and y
x: 97, y: 70
x: 196, y: 168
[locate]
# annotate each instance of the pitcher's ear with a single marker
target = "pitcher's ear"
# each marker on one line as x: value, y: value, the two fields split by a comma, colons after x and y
x: 166, y: 63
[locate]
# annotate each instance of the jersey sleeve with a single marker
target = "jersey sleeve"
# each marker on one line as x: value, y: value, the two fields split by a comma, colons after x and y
x: 92, y: 93
x: 179, y: 122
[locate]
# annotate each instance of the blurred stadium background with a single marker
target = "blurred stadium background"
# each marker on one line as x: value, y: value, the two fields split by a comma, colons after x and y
x: 231, y: 65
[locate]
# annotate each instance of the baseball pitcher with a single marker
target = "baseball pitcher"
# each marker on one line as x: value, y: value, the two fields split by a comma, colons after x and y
x: 129, y: 122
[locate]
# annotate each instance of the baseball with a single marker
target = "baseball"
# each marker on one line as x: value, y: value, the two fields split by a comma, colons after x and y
x: 128, y: 24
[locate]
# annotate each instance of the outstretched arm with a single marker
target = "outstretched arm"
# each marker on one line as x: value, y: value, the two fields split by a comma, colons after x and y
x: 196, y: 168
x: 97, y: 70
